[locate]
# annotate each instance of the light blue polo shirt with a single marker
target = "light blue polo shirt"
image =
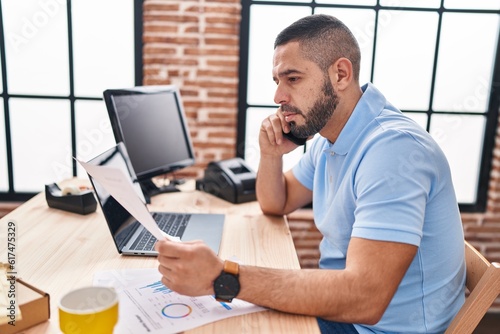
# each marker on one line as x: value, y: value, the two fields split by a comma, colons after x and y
x: 385, y: 178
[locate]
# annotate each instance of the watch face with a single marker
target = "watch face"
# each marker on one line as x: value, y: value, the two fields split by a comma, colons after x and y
x: 226, y: 286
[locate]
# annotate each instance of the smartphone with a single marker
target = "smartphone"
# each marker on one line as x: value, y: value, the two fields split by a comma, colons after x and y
x: 296, y: 140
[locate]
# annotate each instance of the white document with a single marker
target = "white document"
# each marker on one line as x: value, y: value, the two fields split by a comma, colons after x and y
x: 147, y: 306
x: 118, y: 185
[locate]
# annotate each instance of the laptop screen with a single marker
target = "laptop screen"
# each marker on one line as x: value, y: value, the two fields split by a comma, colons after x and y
x: 120, y: 222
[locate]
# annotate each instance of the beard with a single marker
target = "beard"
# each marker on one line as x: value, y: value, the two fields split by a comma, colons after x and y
x: 319, y: 114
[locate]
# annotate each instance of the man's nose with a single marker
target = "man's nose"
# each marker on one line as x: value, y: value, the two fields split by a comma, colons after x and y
x: 281, y: 96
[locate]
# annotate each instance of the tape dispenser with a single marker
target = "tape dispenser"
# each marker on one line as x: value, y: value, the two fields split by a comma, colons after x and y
x: 71, y: 198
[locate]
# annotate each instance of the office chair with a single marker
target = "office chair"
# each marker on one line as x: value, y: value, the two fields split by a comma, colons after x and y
x: 483, y: 283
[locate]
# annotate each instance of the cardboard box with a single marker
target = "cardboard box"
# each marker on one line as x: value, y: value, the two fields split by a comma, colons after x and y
x: 34, y: 305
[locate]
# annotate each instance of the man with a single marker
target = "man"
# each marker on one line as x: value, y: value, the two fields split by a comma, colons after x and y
x: 392, y: 254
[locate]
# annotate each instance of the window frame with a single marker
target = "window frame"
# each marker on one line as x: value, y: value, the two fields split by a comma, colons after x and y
x: 11, y: 194
x: 491, y: 115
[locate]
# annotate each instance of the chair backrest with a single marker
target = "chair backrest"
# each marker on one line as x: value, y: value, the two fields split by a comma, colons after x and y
x: 483, y: 283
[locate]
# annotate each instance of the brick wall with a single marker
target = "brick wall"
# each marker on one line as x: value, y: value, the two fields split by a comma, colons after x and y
x: 195, y: 45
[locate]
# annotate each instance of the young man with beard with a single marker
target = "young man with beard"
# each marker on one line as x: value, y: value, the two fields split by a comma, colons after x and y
x: 392, y: 254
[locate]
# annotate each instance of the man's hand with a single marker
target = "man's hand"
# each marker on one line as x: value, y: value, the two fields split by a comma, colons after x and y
x: 188, y: 268
x: 271, y: 140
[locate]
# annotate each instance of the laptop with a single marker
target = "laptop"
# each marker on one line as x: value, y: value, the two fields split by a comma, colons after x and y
x: 130, y: 237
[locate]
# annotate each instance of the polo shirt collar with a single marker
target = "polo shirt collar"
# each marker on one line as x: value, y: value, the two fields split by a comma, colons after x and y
x: 369, y: 106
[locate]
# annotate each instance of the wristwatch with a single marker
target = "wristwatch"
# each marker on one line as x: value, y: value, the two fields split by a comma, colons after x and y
x: 227, y: 284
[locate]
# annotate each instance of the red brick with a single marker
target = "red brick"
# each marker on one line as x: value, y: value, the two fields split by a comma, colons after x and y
x: 151, y: 16
x: 160, y: 6
x: 222, y: 134
x: 234, y: 10
x: 222, y: 30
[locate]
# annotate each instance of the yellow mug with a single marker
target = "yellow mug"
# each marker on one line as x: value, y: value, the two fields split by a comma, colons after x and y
x: 89, y: 310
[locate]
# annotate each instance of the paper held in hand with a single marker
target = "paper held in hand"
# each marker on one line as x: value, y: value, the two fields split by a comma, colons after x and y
x: 120, y: 187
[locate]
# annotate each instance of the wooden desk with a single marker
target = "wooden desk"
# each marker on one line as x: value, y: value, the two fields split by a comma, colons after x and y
x: 58, y: 251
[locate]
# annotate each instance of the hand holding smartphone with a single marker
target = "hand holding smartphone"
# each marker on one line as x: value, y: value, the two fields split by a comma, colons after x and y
x: 295, y: 140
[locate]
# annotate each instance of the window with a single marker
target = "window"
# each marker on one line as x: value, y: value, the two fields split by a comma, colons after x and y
x: 57, y: 57
x: 422, y: 55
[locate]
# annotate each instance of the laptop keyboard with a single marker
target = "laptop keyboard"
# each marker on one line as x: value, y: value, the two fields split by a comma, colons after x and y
x: 172, y: 224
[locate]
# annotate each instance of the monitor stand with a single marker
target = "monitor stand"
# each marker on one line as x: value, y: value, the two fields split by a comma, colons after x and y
x: 150, y: 189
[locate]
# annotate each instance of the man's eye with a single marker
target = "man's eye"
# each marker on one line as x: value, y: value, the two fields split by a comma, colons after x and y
x: 293, y: 79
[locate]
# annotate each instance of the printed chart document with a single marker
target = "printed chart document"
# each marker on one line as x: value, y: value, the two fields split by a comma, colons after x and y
x: 147, y: 306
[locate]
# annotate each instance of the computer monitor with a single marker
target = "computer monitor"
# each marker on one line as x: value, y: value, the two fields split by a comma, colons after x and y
x: 150, y: 121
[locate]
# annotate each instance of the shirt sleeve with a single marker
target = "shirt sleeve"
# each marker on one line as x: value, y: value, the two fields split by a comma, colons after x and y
x: 392, y: 185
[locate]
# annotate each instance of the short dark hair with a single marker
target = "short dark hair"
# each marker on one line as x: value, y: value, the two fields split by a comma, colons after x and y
x: 323, y: 39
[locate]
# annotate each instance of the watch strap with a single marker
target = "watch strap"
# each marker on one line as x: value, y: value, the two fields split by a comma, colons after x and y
x: 231, y: 267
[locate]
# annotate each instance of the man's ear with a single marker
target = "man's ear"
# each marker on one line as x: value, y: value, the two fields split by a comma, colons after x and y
x: 340, y: 73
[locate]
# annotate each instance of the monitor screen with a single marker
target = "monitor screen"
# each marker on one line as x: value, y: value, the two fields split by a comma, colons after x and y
x: 150, y: 121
